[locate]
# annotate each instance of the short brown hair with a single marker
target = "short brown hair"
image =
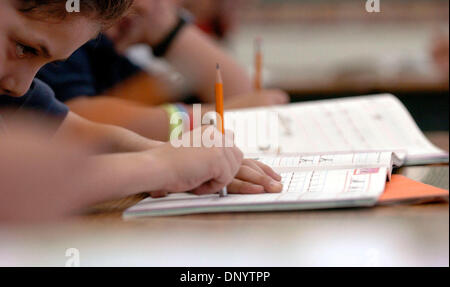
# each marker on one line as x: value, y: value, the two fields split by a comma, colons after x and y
x: 105, y: 11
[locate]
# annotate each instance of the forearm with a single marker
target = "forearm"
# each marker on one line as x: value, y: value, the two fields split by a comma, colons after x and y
x: 109, y: 177
x: 195, y: 56
x: 150, y: 122
x: 49, y: 182
x: 105, y: 138
x: 118, y: 140
x: 115, y: 176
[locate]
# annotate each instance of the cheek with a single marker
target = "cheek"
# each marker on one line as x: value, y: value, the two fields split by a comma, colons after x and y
x: 7, y: 59
x: 2, y: 58
x: 27, y: 68
x: 19, y: 67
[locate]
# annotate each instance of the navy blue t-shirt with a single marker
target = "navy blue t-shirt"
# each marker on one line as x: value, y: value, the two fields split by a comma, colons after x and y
x: 40, y: 98
x: 90, y: 71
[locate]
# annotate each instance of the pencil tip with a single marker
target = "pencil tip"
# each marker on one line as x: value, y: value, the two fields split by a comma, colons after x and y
x: 217, y: 66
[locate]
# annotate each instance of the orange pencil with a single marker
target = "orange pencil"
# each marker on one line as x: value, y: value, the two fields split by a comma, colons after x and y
x: 219, y: 100
x: 257, y: 81
x: 219, y: 111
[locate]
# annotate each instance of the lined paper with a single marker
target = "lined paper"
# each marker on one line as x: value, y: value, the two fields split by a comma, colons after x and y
x: 309, y: 181
x: 351, y: 124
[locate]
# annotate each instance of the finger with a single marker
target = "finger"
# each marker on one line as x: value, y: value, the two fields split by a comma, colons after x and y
x: 233, y: 155
x: 238, y: 155
x: 261, y: 168
x: 268, y: 170
x: 283, y: 98
x: 234, y: 158
x: 210, y: 187
x: 253, y: 164
x: 252, y: 176
x: 158, y: 194
x: 278, y: 97
x: 243, y: 187
x: 222, y: 172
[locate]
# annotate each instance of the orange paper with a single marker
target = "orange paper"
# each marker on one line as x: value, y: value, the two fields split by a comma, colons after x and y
x: 404, y: 190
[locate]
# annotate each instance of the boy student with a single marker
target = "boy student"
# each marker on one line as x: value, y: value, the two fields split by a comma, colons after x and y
x: 39, y: 32
x: 85, y: 81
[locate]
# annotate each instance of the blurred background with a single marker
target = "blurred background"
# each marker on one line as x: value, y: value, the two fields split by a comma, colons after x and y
x: 318, y: 49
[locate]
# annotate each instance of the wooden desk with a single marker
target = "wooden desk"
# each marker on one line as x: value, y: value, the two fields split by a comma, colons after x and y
x: 440, y: 139
x: 382, y: 236
x: 400, y: 235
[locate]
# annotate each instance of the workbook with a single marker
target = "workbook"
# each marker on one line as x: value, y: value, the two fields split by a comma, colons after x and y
x: 310, y: 181
x: 357, y: 124
x: 331, y: 154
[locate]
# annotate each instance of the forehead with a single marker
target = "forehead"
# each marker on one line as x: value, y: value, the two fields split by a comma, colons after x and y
x: 62, y: 36
x: 6, y: 12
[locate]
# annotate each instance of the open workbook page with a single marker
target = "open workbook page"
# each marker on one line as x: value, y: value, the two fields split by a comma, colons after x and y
x: 310, y: 182
x: 368, y: 123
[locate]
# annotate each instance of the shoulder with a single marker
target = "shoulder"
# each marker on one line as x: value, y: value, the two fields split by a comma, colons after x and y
x: 40, y: 98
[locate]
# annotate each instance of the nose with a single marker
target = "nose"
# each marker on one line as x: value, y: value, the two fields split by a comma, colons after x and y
x: 17, y: 82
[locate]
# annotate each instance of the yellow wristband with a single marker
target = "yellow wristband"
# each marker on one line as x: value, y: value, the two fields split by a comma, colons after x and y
x: 171, y: 110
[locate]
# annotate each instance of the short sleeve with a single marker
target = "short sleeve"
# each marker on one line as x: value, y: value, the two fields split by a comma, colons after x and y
x: 41, y: 99
x: 108, y: 66
x: 71, y: 78
x: 93, y: 69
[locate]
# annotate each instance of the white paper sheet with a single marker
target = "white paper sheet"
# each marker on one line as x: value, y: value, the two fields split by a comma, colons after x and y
x: 309, y: 181
x: 366, y: 123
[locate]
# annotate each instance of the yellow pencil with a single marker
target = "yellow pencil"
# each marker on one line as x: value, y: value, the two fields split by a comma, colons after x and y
x: 219, y: 111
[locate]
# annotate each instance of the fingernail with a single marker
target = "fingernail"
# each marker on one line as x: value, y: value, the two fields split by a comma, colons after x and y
x: 258, y: 188
x: 276, y: 185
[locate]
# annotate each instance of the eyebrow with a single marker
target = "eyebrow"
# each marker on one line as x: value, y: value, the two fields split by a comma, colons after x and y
x: 47, y: 54
x: 38, y: 44
x: 45, y: 51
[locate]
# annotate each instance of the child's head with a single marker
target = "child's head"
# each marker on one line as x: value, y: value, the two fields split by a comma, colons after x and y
x: 37, y: 32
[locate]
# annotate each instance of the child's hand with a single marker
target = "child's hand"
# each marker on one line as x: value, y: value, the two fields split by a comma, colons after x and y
x: 207, y: 170
x: 197, y: 169
x: 255, y: 177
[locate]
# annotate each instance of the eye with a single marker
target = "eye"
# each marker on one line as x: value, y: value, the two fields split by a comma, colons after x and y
x: 23, y: 51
